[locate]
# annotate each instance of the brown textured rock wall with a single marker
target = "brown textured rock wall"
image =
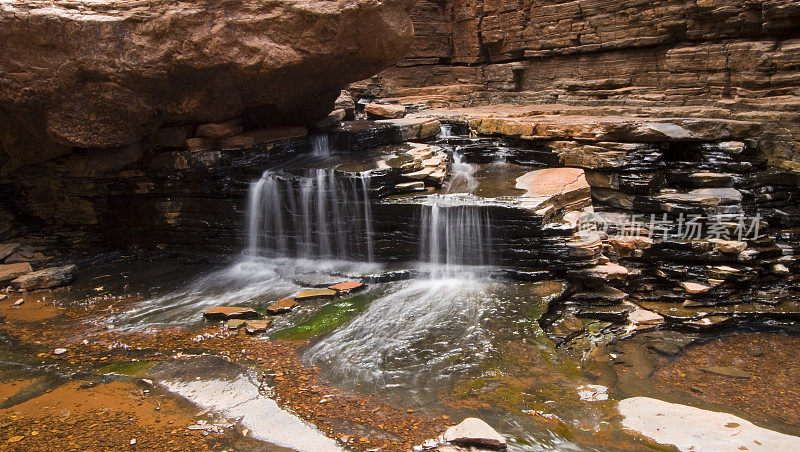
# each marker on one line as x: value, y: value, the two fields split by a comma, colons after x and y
x: 737, y: 59
x: 87, y: 74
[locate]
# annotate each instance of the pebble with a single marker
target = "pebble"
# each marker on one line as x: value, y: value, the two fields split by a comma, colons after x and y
x: 755, y: 351
x: 59, y: 351
x: 133, y: 442
x: 18, y: 302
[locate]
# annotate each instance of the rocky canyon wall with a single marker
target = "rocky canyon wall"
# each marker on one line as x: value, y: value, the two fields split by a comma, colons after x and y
x: 97, y: 75
x: 90, y: 89
x: 735, y: 59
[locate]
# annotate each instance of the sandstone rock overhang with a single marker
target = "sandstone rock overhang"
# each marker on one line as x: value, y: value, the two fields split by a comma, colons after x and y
x: 99, y: 74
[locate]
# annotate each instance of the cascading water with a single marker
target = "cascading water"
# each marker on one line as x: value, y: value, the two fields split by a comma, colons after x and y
x: 462, y: 176
x: 324, y: 215
x: 429, y: 328
x: 455, y: 236
x: 320, y: 145
x: 446, y: 130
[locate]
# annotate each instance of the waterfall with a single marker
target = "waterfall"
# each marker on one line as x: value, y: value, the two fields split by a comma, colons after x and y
x: 320, y: 145
x: 454, y: 235
x: 462, y: 175
x: 324, y: 215
x: 445, y: 130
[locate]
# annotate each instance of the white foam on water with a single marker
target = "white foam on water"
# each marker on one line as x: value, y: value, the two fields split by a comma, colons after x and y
x: 426, y: 329
x: 249, y: 281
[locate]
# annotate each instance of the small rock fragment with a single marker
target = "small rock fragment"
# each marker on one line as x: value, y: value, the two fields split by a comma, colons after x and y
x: 313, y: 294
x: 347, y: 287
x: 18, y: 302
x: 257, y: 326
x: 593, y: 393
x: 755, y: 351
x: 59, y: 351
x: 475, y: 432
x: 780, y: 269
x: 282, y: 305
x: 694, y: 288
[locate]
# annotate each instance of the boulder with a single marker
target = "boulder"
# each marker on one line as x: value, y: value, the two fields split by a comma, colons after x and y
x: 13, y: 271
x: 387, y: 111
x: 345, y: 102
x: 46, y: 278
x: 229, y: 312
x: 475, y: 432
x: 134, y: 66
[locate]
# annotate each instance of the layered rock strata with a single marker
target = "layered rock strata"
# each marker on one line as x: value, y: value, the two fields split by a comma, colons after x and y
x: 731, y: 60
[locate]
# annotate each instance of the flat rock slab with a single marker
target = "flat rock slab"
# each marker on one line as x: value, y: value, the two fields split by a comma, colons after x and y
x: 314, y: 280
x: 235, y: 324
x: 389, y: 111
x: 257, y: 326
x: 694, y: 288
x: 725, y: 371
x: 281, y: 306
x: 314, y: 294
x: 605, y: 272
x: 46, y: 278
x: 555, y: 189
x: 230, y: 312
x: 475, y: 432
x: 347, y: 286
x: 704, y: 197
x: 14, y: 271
x: 695, y: 429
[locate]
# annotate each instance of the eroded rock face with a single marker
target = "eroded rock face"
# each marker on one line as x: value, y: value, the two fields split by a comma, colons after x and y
x: 103, y: 74
x: 732, y: 59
